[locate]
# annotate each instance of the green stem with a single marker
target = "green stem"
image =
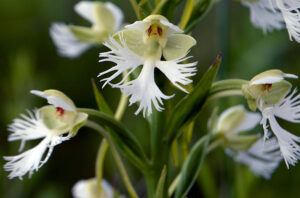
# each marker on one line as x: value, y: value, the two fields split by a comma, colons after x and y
x: 99, y: 163
x: 116, y: 155
x: 159, y: 6
x: 226, y: 88
x: 121, y: 107
x: 135, y: 7
x: 187, y: 13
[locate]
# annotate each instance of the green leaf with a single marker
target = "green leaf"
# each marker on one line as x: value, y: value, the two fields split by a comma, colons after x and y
x: 201, y: 8
x: 190, y: 105
x: 161, y: 184
x: 192, y: 166
x: 123, y: 138
x: 101, y: 102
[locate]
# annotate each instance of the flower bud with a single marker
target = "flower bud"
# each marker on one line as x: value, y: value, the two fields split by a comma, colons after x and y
x: 232, y: 125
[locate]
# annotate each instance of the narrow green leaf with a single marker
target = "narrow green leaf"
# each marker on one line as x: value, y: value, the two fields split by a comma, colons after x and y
x: 161, y: 184
x: 201, y: 8
x: 190, y: 105
x: 192, y: 166
x: 100, y: 100
x: 123, y: 138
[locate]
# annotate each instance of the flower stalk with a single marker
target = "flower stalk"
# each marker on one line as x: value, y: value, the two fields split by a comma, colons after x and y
x: 116, y: 155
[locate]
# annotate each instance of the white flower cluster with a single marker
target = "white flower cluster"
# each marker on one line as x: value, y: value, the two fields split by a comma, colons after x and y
x: 276, y: 14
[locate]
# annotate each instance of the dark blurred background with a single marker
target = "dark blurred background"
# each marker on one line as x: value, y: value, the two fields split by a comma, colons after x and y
x: 29, y: 61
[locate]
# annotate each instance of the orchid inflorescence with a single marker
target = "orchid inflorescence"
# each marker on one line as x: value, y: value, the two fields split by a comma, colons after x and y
x: 138, y: 51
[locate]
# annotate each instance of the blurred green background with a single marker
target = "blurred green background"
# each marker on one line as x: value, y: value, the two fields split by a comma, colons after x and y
x: 29, y: 61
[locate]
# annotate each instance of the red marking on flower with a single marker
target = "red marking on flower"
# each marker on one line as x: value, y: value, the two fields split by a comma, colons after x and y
x: 266, y: 87
x: 159, y: 30
x: 60, y: 111
x: 149, y: 31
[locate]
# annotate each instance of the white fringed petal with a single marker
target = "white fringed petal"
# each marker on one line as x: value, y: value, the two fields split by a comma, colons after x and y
x: 29, y: 161
x: 88, y: 189
x: 176, y: 72
x: 30, y: 127
x: 262, y: 158
x: 291, y: 14
x: 122, y: 56
x: 32, y: 159
x: 144, y: 90
x: 289, y: 108
x: 86, y: 10
x: 288, y: 142
x: 66, y: 43
x: 264, y: 14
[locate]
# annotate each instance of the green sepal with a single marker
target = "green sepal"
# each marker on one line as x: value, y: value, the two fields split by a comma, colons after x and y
x: 104, y: 18
x: 177, y: 46
x: 80, y: 121
x: 192, y: 103
x: 89, y: 35
x: 277, y: 92
x: 123, y: 138
x: 100, y: 100
x: 240, y: 142
x: 192, y: 166
x: 159, y: 193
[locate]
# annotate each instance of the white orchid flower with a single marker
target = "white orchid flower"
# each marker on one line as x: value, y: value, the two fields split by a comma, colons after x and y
x: 262, y: 158
x: 71, y: 41
x: 276, y: 14
x: 145, y: 43
x: 88, y: 189
x: 53, y: 124
x: 274, y: 98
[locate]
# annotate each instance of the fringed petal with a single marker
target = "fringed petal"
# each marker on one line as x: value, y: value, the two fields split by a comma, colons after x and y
x: 291, y: 14
x: 262, y: 158
x: 29, y: 128
x: 288, y: 142
x: 289, y: 108
x: 178, y: 73
x: 264, y: 14
x: 122, y: 56
x: 144, y: 90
